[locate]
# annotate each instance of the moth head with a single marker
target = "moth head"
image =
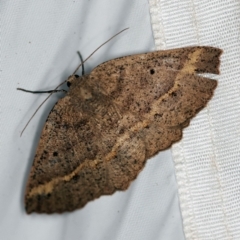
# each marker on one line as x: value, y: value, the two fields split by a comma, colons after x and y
x: 83, y: 91
x: 71, y: 79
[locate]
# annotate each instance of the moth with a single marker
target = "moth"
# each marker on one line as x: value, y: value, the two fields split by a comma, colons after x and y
x: 98, y: 137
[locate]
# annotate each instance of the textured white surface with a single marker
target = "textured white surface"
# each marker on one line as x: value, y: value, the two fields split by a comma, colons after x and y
x: 207, y: 160
x: 39, y: 41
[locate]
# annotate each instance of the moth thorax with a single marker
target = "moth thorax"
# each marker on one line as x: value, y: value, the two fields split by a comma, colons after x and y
x: 85, y: 93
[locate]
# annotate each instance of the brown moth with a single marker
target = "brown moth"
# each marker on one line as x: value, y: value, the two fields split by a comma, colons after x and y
x: 98, y: 137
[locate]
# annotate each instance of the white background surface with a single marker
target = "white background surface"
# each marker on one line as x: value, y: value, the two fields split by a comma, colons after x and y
x: 39, y: 41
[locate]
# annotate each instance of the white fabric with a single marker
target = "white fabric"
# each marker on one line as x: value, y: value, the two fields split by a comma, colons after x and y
x: 207, y: 160
x: 39, y: 41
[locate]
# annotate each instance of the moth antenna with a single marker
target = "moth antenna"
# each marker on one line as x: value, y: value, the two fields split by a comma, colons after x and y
x: 97, y: 49
x: 81, y: 59
x: 48, y: 91
x: 52, y: 91
x: 40, y: 106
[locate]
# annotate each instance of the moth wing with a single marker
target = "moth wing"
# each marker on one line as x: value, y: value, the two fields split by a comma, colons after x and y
x: 63, y: 150
x: 162, y: 88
